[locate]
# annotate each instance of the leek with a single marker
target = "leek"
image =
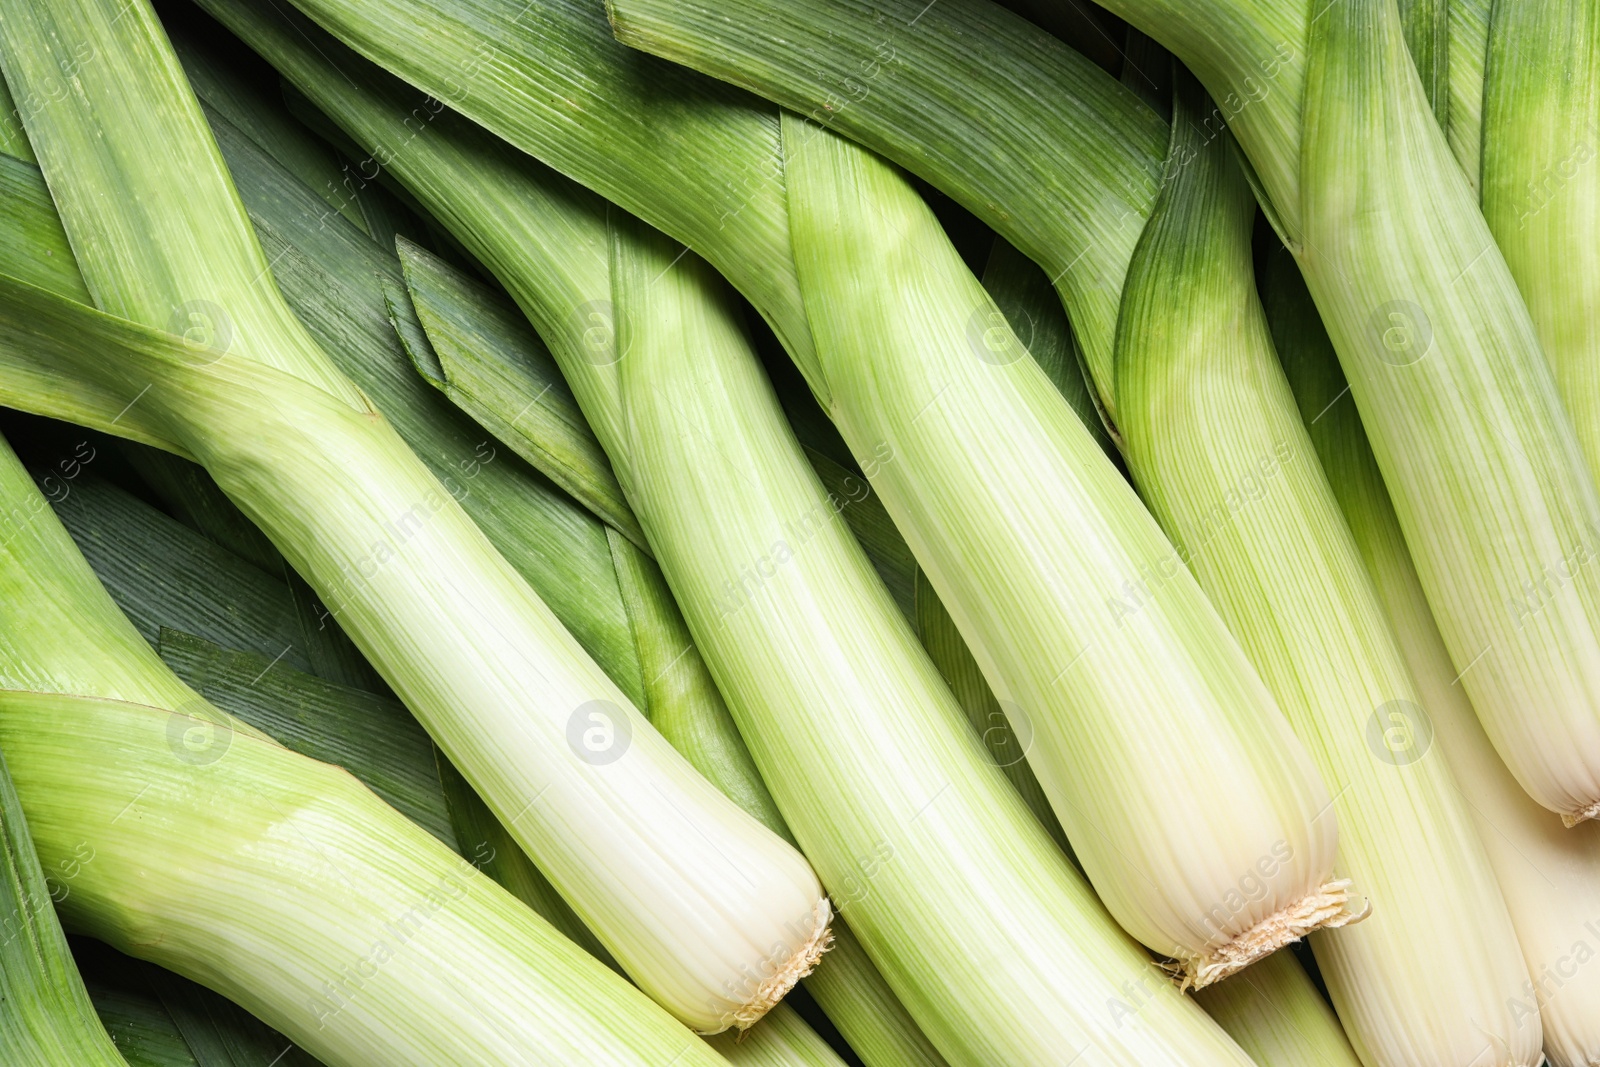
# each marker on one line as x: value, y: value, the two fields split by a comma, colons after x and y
x: 1217, y: 448
x: 1049, y: 602
x: 1550, y: 876
x: 1396, y: 253
x: 284, y: 884
x: 733, y: 915
x: 930, y: 822
x: 549, y: 242
x: 1441, y: 355
x: 1269, y: 796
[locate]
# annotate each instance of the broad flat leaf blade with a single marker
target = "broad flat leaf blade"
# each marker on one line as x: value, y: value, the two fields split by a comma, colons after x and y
x: 493, y: 364
x: 161, y: 573
x: 45, y: 1013
x: 371, y: 736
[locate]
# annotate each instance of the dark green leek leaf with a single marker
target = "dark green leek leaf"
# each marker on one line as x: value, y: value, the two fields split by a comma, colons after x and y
x: 161, y: 573
x: 371, y: 736
x: 159, y: 1019
x: 218, y: 1032
x: 492, y: 364
x: 193, y: 497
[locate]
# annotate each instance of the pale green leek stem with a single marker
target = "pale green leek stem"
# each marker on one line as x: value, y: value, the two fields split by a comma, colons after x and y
x: 1276, y: 1014
x: 1541, y: 197
x: 1465, y: 417
x: 1217, y: 448
x: 1550, y: 876
x: 1081, y: 613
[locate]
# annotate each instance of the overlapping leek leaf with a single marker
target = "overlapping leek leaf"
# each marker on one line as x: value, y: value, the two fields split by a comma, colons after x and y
x: 1068, y: 177
x: 1217, y: 448
x: 143, y: 1030
x: 1278, y: 1017
x: 734, y: 915
x: 45, y: 1014
x: 547, y: 429
x: 1549, y: 876
x: 112, y: 529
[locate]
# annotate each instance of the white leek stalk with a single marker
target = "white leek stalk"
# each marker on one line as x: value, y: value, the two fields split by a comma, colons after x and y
x: 1216, y: 446
x: 1481, y: 459
x: 711, y: 913
x: 1549, y: 876
x: 188, y: 838
x: 1079, y: 610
